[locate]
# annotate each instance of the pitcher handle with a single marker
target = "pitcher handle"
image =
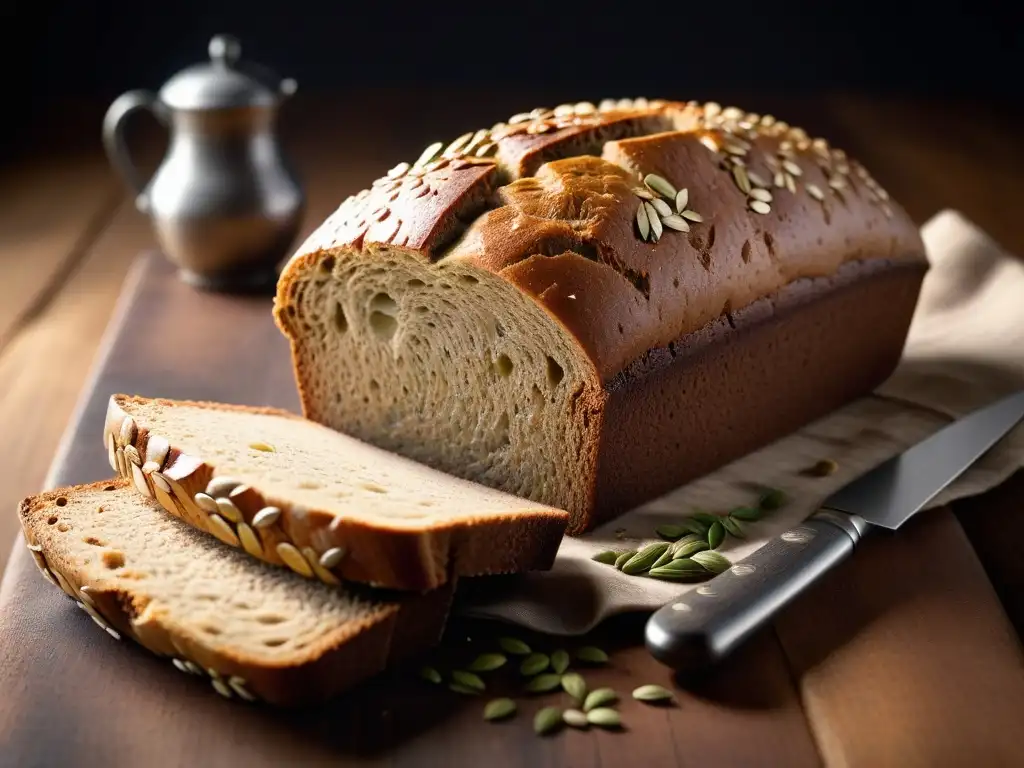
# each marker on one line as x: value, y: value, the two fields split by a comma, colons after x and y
x: 117, y: 146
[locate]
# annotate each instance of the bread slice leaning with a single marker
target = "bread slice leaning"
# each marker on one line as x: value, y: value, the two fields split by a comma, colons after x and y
x: 295, y: 493
x: 256, y: 632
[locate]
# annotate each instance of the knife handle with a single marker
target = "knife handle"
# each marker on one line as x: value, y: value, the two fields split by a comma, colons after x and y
x: 706, y: 625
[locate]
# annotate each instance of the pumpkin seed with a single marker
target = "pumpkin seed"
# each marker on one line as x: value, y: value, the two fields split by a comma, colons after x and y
x: 608, y: 557
x: 705, y: 517
x: 652, y: 693
x: 733, y: 527
x: 643, y: 223
x: 544, y: 683
x: 575, y: 718
x: 622, y: 559
x: 748, y: 514
x: 660, y: 185
x: 604, y: 717
x: 559, y: 661
x: 430, y: 674
x: 714, y: 562
x: 591, y: 655
x: 547, y: 720
x: 716, y: 535
x: 574, y: 684
x: 467, y: 679
x: 645, y: 558
x: 670, y: 532
x: 772, y: 499
x: 599, y: 698
x: 677, y: 223
x: 687, y: 549
x: 696, y: 526
x: 679, y: 570
x: 463, y: 689
x: 666, y: 556
x: 514, y: 646
x: 487, y: 662
x: 499, y: 709
x: 534, y: 664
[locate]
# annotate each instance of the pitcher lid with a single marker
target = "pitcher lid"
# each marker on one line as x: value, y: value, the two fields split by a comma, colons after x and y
x: 225, y: 81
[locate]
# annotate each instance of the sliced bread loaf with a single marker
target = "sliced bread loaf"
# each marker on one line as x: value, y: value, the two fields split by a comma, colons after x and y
x: 293, y: 492
x: 256, y: 631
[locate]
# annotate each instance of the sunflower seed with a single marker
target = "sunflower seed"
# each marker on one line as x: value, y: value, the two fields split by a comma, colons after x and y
x: 263, y: 447
x: 430, y: 674
x: 591, y: 655
x: 111, y: 451
x: 712, y: 561
x: 266, y: 517
x: 739, y: 175
x: 206, y: 503
x: 661, y: 207
x: 157, y: 449
x: 535, y: 128
x: 398, y: 171
x: 534, y: 664
x: 622, y: 559
x: 599, y: 698
x: 822, y: 468
x: 644, y: 194
x: 544, y: 683
x: 294, y: 559
x: 772, y: 499
x: 139, y: 481
x: 574, y: 684
x: 429, y: 154
x: 575, y: 718
x: 332, y: 557
x: 656, y: 228
x: 734, y: 149
x: 604, y: 717
x: 194, y: 668
x: 487, y: 662
x: 759, y: 206
x: 677, y: 223
x: 761, y: 194
x: 645, y: 558
x: 319, y: 571
x: 585, y: 108
x: 463, y: 689
x: 223, y: 531
x: 237, y: 685
x: 780, y: 180
x: 547, y: 720
x: 180, y: 665
x: 660, y: 185
x: 692, y: 216
x: 499, y: 709
x: 670, y: 532
x: 150, y: 467
x: 756, y: 179
x: 453, y: 148
x: 559, y: 661
x: 815, y: 191
x: 790, y: 183
x: 652, y: 693
x: 127, y: 432
x: 250, y: 541
x: 733, y: 527
x: 228, y: 510
x: 607, y: 557
x: 563, y: 110
x: 132, y: 454
x: 478, y: 139
x: 747, y: 514
x: 643, y: 223
x: 221, y: 687
x: 468, y: 679
x: 709, y: 142
x: 514, y: 646
x: 792, y: 168
x: 716, y: 535
x: 486, y: 150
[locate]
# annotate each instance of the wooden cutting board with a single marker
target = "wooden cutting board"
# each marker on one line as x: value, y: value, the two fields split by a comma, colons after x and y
x: 904, y: 657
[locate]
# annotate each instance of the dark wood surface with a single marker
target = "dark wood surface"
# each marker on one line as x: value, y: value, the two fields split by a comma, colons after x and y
x: 903, y: 657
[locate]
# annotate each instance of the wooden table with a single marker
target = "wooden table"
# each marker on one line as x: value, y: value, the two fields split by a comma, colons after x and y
x: 921, y: 667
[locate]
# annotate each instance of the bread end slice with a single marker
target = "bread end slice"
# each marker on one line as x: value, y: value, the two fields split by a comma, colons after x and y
x: 254, y: 631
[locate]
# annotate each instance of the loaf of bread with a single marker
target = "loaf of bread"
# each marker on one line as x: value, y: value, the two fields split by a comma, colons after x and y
x: 293, y: 492
x: 254, y: 631
x: 589, y: 306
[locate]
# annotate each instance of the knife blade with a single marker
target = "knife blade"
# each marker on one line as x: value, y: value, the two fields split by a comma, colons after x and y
x: 702, y: 627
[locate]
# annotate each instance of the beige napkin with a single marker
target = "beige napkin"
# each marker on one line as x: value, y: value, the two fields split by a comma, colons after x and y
x: 966, y: 348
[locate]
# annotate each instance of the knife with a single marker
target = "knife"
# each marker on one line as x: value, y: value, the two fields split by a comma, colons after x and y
x: 704, y: 626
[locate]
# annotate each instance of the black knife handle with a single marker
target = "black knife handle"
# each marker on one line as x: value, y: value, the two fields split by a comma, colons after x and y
x: 707, y: 624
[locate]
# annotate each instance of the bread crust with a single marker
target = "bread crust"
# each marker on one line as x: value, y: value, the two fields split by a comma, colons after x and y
x: 402, y: 627
x: 420, y: 559
x: 767, y: 208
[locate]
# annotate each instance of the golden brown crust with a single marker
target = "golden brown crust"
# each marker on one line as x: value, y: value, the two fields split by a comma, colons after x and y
x: 317, y: 543
x: 360, y: 649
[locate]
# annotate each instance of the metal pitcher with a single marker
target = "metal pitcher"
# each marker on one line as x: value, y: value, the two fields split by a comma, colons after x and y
x: 224, y: 202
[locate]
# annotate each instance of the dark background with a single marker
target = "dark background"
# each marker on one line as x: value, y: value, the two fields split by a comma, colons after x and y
x: 75, y: 51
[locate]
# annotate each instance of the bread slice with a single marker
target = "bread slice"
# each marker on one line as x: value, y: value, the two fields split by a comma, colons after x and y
x: 293, y: 492
x: 256, y: 631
